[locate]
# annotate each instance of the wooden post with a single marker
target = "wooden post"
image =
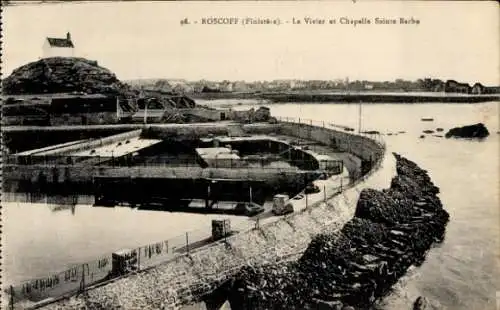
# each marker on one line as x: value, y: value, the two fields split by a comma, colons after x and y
x: 324, y: 191
x: 187, y: 242
x: 250, y: 193
x: 359, y: 120
x: 11, y: 297
x: 138, y: 259
x: 82, y: 282
x: 207, y: 201
x: 225, y: 232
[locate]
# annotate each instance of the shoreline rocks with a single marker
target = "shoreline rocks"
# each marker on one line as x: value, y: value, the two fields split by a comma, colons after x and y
x: 476, y: 131
x: 392, y: 230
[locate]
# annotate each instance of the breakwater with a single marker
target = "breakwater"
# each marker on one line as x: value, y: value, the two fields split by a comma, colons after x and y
x: 391, y: 230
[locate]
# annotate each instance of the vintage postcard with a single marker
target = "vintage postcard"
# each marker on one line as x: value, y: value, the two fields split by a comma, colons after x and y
x: 250, y: 155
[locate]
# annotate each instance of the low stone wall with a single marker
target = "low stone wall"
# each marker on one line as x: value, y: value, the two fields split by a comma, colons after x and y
x: 357, y: 151
x: 185, y: 132
x: 96, y: 118
x: 61, y: 174
x: 363, y: 147
x: 261, y: 128
x: 87, y: 145
x: 209, y: 114
x: 189, y: 278
x: 17, y: 139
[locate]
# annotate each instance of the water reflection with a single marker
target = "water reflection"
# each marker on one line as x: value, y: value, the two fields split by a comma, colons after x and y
x: 56, y: 202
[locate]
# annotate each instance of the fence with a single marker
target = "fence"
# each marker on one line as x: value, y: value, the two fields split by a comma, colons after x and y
x: 372, y: 134
x: 271, y: 162
x: 351, y: 141
x: 80, y: 277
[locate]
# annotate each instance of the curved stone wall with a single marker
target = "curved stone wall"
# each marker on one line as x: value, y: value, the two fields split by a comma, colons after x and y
x: 187, y: 278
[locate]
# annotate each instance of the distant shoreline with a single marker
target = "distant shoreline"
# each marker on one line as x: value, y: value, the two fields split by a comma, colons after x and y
x: 351, y: 97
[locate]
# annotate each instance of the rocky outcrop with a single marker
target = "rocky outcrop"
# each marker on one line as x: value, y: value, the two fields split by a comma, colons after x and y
x: 477, y: 131
x: 392, y: 230
x: 262, y: 114
x: 63, y: 74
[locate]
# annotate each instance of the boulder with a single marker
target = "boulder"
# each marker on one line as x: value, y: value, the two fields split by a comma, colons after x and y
x: 421, y: 303
x: 476, y: 131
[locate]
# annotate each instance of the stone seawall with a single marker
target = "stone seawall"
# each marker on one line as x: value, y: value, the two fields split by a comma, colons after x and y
x: 391, y: 230
x: 366, y: 149
x: 188, y: 279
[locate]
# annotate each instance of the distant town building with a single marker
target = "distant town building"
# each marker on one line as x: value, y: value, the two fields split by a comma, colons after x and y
x: 452, y: 86
x: 226, y: 86
x: 477, y: 89
x: 240, y: 86
x: 297, y: 84
x: 59, y: 47
x: 181, y: 86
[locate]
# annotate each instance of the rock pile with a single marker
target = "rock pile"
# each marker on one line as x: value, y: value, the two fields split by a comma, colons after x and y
x: 392, y: 230
x: 477, y: 131
x: 63, y: 74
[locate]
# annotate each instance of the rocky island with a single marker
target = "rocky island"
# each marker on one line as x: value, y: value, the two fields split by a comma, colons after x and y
x: 476, y: 131
x: 63, y: 74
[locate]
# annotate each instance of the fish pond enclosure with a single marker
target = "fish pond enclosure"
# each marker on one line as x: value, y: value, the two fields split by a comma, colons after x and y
x: 354, y: 154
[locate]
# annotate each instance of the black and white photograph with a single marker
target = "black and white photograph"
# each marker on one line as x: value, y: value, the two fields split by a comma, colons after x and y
x: 216, y: 155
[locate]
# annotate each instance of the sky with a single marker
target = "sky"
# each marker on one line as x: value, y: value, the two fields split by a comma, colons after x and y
x: 454, y: 40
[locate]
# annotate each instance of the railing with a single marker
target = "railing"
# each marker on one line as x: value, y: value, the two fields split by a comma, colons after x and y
x: 79, y: 277
x: 371, y: 134
x: 374, y: 136
x: 272, y: 163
